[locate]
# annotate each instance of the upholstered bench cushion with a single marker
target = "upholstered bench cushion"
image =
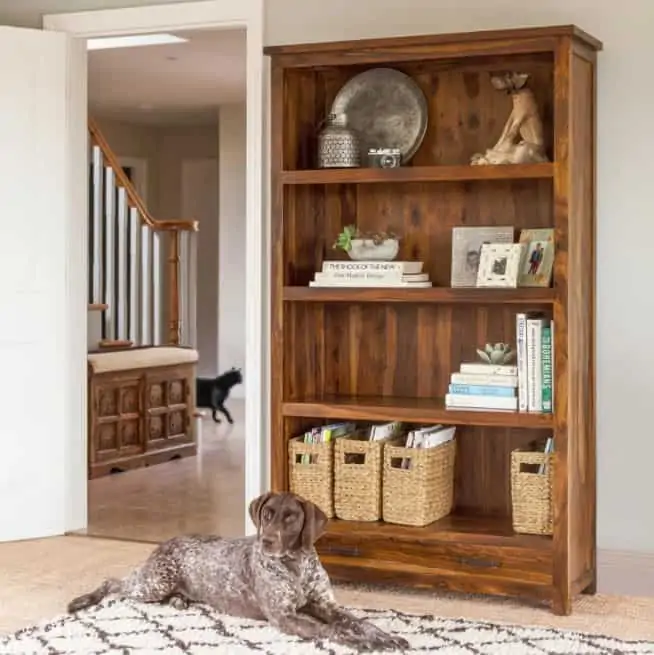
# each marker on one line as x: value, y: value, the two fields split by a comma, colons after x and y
x: 133, y: 358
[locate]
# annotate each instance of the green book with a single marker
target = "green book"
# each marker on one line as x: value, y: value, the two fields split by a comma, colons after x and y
x: 546, y: 368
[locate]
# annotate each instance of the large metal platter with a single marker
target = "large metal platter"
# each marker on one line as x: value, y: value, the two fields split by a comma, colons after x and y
x: 386, y: 108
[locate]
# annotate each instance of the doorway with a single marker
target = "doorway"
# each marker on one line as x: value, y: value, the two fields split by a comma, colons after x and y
x: 191, y: 15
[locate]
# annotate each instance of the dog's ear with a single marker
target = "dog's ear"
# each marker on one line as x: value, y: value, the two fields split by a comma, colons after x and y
x: 315, y: 521
x: 256, y: 506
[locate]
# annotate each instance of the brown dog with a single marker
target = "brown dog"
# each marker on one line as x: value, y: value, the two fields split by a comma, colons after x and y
x: 275, y: 576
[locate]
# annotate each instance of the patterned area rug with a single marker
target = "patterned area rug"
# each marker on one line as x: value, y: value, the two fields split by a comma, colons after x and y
x: 125, y: 628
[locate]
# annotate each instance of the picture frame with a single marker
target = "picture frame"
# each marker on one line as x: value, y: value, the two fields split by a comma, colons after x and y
x: 499, y: 265
x: 467, y: 242
x: 538, y: 261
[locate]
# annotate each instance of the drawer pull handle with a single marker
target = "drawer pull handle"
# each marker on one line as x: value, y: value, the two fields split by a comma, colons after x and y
x: 343, y: 550
x: 480, y: 563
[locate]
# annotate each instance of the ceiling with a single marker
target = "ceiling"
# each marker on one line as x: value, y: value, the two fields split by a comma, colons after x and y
x: 181, y: 83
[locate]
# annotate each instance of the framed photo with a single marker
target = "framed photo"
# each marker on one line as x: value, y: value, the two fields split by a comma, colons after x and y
x: 538, y: 262
x: 466, y: 250
x: 500, y: 264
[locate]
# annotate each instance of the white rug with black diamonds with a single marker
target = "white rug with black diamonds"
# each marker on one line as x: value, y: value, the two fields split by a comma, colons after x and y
x: 125, y: 628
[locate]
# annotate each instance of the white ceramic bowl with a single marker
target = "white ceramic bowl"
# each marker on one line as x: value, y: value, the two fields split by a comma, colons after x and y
x: 366, y: 249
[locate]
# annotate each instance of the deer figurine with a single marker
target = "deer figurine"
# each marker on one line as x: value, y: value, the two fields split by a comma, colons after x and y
x: 521, y: 141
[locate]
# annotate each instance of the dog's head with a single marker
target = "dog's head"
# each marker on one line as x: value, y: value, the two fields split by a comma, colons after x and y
x: 286, y: 523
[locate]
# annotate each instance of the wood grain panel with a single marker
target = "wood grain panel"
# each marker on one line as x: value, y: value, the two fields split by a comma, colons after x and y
x: 581, y: 299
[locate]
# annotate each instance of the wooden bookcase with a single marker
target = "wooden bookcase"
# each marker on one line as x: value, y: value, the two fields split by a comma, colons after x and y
x: 382, y: 354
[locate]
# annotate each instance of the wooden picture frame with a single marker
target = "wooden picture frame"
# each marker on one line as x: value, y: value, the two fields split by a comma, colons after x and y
x: 538, y: 257
x: 467, y: 242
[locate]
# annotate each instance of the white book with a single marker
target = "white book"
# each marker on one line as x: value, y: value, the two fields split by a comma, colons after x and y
x: 534, y: 362
x: 455, y: 401
x: 379, y: 284
x: 521, y: 351
x: 390, y: 276
x: 351, y: 265
x: 439, y: 437
x: 485, y: 380
x: 488, y: 369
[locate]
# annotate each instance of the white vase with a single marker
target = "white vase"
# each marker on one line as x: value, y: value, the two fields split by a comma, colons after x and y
x: 367, y: 249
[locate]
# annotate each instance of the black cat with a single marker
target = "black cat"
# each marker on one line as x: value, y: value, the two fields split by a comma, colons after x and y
x: 214, y: 392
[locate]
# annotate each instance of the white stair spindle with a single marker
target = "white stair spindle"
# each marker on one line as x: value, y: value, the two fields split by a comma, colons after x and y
x: 192, y: 288
x: 97, y: 294
x: 122, y: 304
x: 134, y: 277
x: 182, y: 291
x: 146, y: 285
x: 109, y: 254
x: 157, y: 289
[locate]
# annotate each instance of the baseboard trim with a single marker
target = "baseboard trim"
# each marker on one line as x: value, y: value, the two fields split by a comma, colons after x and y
x: 624, y: 573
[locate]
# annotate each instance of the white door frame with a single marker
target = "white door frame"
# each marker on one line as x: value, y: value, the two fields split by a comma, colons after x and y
x: 218, y: 14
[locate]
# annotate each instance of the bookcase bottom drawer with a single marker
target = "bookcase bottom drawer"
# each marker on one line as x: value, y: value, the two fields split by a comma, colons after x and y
x: 500, y: 562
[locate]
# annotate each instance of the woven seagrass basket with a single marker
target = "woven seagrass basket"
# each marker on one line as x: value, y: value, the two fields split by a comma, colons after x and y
x: 422, y: 491
x: 358, y: 478
x: 311, y: 472
x: 531, y: 492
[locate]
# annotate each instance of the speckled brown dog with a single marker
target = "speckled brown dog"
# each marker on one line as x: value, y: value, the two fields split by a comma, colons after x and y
x: 275, y: 576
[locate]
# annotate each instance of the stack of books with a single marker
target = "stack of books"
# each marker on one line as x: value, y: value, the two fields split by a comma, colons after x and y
x: 371, y: 274
x: 535, y: 349
x: 324, y: 434
x: 483, y: 386
x: 429, y: 437
x: 527, y: 386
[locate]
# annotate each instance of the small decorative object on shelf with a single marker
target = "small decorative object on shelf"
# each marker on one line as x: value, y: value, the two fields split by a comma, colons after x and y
x: 372, y: 246
x: 338, y: 145
x: 499, y: 353
x: 521, y: 141
x: 499, y: 265
x: 371, y: 274
x: 483, y: 386
x: 384, y: 158
x: 387, y: 108
x: 466, y: 250
x: 536, y: 270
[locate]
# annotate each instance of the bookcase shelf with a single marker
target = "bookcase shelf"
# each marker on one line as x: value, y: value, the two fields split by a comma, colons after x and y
x: 415, y: 410
x: 441, y: 295
x: 381, y: 354
x: 418, y: 174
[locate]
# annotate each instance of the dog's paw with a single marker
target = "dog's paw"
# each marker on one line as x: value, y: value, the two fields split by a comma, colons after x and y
x: 179, y: 602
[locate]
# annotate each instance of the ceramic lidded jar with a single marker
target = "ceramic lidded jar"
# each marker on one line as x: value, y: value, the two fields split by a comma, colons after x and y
x: 338, y: 145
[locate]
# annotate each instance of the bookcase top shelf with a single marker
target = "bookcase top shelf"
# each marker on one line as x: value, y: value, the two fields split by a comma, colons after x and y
x: 435, y: 295
x: 419, y: 410
x: 418, y: 174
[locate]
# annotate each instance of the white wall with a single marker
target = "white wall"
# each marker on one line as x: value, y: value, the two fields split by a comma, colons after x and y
x: 231, y: 258
x: 625, y: 224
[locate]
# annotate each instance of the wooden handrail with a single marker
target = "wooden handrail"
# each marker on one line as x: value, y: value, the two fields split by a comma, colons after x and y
x: 133, y: 197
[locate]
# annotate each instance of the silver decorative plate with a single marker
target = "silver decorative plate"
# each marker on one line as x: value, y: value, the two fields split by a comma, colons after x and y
x: 386, y: 108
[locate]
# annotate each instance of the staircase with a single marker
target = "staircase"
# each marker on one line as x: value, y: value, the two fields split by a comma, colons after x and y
x: 141, y: 270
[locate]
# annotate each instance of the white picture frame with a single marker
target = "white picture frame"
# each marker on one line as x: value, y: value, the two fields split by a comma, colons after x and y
x: 499, y: 265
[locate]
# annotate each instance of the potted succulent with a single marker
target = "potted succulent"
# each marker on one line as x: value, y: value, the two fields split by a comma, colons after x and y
x: 497, y: 354
x: 360, y: 245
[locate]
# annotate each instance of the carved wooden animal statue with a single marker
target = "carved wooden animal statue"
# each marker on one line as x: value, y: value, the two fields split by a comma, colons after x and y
x: 521, y: 141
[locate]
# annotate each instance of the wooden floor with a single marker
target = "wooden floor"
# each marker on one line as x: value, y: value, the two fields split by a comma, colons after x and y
x: 196, y: 494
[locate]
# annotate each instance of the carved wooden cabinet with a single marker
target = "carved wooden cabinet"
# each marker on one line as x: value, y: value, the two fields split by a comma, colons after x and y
x: 140, y: 417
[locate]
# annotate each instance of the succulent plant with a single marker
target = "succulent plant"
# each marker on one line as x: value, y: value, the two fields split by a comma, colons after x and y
x: 499, y: 353
x: 350, y: 232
